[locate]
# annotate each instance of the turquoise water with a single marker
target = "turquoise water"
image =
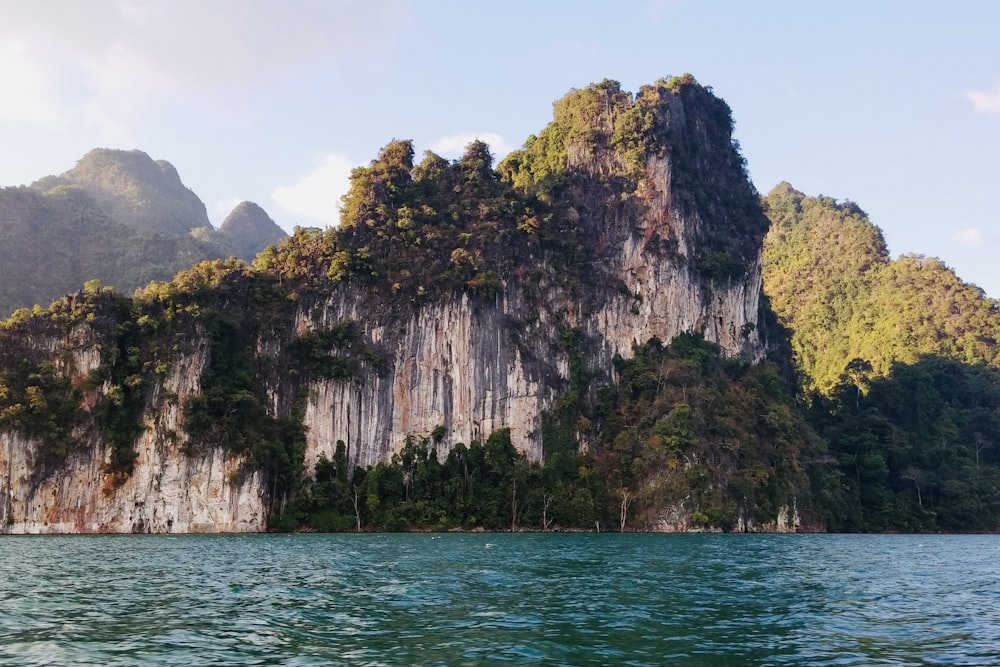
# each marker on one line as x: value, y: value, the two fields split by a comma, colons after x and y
x: 468, y: 599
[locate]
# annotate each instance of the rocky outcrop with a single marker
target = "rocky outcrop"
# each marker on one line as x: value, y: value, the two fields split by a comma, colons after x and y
x: 464, y: 368
x: 454, y: 365
x: 679, y: 519
x: 473, y: 368
x: 457, y: 365
x: 168, y: 492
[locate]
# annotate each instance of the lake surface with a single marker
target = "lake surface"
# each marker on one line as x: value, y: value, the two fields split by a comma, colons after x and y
x: 469, y: 599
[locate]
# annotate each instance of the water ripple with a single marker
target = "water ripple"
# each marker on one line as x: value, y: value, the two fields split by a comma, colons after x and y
x: 470, y: 599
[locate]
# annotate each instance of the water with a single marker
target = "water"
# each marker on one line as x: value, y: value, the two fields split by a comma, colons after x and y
x: 469, y: 599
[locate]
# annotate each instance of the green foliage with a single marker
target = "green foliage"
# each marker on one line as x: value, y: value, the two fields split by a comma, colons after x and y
x: 417, y: 230
x: 601, y: 141
x: 125, y: 366
x: 920, y: 451
x: 430, y: 228
x: 829, y: 278
x: 312, y: 352
x: 560, y: 424
x: 301, y: 261
x: 51, y: 407
x: 38, y: 402
x: 237, y: 307
x: 484, y: 485
x: 690, y: 428
x: 894, y: 355
x: 583, y: 128
x: 682, y: 427
x: 475, y: 486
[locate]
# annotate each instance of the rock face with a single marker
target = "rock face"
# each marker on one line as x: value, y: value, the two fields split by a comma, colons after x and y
x: 464, y: 368
x: 459, y: 366
x: 167, y: 491
x: 473, y: 368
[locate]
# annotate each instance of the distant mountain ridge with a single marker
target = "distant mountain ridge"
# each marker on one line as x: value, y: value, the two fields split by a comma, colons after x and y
x: 118, y: 216
x: 134, y: 190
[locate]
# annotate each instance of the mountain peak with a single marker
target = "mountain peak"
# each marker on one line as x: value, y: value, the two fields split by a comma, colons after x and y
x: 249, y: 229
x: 136, y: 190
x: 119, y: 216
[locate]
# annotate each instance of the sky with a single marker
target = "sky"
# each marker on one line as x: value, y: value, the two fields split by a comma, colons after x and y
x: 894, y: 105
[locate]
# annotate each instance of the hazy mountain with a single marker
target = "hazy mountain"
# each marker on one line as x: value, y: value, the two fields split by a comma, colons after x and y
x: 117, y: 216
x: 249, y: 229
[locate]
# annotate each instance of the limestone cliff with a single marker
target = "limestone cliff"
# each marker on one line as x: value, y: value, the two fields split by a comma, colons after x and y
x: 474, y: 367
x: 454, y: 314
x: 166, y: 491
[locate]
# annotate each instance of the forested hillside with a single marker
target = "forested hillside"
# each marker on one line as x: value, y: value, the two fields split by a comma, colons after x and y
x: 853, y: 311
x: 917, y: 451
x: 898, y: 359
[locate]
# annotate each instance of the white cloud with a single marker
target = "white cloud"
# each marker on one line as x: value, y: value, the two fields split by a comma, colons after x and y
x: 453, y: 146
x: 316, y: 196
x: 111, y: 61
x: 969, y: 236
x: 986, y: 101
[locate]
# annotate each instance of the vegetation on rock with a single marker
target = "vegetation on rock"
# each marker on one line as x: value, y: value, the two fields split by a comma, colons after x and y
x: 597, y: 151
x: 895, y: 423
x: 438, y: 226
x: 683, y: 431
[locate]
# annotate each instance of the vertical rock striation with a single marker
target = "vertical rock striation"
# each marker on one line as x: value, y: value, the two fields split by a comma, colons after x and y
x: 472, y: 367
x: 168, y: 489
x: 672, y: 231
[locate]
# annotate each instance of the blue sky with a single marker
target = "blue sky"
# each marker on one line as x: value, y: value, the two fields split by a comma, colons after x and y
x: 894, y: 105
